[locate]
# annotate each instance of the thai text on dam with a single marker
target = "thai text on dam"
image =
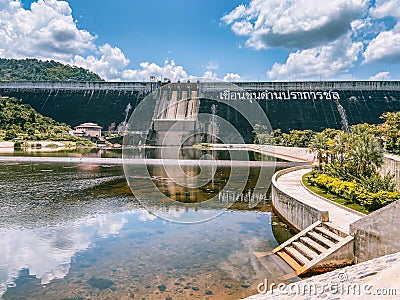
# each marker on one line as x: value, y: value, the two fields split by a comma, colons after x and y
x: 279, y: 95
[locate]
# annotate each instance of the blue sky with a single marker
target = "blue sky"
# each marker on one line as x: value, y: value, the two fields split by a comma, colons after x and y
x: 234, y: 40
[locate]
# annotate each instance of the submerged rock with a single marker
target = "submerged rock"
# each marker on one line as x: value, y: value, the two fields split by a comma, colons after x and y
x: 100, y: 283
x: 162, y: 288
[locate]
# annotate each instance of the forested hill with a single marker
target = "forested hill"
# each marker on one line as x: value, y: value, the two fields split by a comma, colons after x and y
x: 37, y: 70
x: 19, y: 120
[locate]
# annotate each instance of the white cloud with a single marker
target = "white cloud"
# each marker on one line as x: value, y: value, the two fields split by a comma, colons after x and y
x: 210, y: 75
x: 235, y: 14
x: 169, y: 70
x: 47, y: 251
x: 232, y: 77
x: 324, y: 61
x: 294, y: 24
x: 242, y: 28
x: 381, y: 76
x: 385, y: 47
x: 108, y: 66
x: 211, y: 65
x: 47, y: 30
x: 386, y: 8
x: 145, y: 216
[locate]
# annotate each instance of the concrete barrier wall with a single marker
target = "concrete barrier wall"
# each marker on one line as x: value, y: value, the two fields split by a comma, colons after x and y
x: 391, y: 163
x: 377, y: 234
x: 295, y: 212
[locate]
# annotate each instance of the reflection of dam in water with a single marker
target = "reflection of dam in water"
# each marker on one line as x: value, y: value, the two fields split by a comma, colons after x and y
x: 288, y: 105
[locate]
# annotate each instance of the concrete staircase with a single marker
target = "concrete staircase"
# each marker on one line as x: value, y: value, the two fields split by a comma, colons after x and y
x: 318, y: 248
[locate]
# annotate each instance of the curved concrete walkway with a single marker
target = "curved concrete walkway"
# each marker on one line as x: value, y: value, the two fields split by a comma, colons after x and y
x: 293, y: 154
x: 290, y: 184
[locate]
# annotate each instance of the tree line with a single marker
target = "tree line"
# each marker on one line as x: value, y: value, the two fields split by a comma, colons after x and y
x: 37, y: 70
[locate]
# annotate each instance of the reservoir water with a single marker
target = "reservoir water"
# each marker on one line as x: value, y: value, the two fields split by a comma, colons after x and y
x: 77, y: 232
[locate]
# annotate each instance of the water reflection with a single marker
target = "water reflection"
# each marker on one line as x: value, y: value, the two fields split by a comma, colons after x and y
x: 206, y: 187
x: 137, y: 254
x: 70, y: 232
x: 46, y: 252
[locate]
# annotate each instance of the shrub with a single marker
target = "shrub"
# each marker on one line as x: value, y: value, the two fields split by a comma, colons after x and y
x: 354, y: 192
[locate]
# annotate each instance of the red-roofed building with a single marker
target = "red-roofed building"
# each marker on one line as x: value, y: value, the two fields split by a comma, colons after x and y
x: 91, y: 130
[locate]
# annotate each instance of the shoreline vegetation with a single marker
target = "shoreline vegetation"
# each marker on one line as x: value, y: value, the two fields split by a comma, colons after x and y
x: 349, y: 162
x: 23, y: 124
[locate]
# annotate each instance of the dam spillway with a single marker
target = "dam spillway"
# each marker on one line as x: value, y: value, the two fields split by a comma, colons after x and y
x: 175, y: 114
x: 288, y: 105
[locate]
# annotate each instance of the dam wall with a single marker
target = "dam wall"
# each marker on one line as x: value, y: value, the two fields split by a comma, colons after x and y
x: 78, y: 102
x: 288, y: 105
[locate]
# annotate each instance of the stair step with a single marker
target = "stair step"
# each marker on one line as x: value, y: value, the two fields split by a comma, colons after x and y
x: 333, y: 228
x: 298, y: 256
x: 319, y: 238
x: 312, y: 244
x: 289, y: 260
x: 310, y: 254
x: 328, y: 233
x: 280, y: 263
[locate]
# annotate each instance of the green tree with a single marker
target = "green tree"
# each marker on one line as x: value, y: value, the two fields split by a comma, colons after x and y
x: 365, y: 153
x: 319, y: 145
x: 12, y: 132
x: 389, y: 131
x: 339, y: 147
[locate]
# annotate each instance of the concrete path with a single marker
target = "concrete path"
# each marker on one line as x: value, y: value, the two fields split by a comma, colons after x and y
x: 287, y: 153
x: 290, y: 184
x: 293, y: 154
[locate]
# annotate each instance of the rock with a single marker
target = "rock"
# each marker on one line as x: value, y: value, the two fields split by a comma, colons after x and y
x: 162, y: 288
x: 100, y: 283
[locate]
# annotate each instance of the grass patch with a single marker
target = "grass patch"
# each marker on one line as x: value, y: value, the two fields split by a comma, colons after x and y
x: 333, y: 197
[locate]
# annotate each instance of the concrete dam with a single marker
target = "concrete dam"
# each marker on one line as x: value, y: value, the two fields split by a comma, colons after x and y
x: 288, y: 105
